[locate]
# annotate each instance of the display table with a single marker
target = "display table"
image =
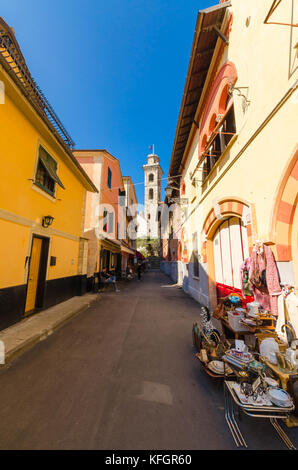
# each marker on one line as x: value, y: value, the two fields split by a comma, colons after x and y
x: 283, y: 376
x: 236, y: 333
x: 273, y: 413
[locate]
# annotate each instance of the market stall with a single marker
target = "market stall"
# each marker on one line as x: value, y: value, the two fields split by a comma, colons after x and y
x: 253, y: 349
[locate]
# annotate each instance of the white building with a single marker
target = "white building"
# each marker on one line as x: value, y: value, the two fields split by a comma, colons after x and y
x: 153, y: 176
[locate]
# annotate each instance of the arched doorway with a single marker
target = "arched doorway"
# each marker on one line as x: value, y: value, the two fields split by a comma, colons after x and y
x: 228, y: 242
x: 230, y: 246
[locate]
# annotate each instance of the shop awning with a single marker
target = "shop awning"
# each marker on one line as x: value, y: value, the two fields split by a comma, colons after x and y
x: 110, y: 245
x: 127, y: 250
x: 139, y: 255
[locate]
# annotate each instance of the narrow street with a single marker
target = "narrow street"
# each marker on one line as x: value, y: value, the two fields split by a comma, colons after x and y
x: 121, y: 375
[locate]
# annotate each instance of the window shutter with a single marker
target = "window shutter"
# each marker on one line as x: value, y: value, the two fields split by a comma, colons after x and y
x: 50, y: 165
x: 111, y: 223
x: 109, y: 178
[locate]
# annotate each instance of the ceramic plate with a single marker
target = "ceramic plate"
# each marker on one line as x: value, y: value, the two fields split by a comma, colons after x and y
x: 217, y: 366
x: 271, y: 382
x: 279, y: 397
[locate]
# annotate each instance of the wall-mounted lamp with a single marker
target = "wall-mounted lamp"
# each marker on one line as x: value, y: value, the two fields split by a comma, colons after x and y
x: 47, y: 221
x: 239, y: 88
x: 170, y: 189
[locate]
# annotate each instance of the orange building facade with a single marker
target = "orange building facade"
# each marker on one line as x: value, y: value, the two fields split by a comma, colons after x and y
x: 106, y: 213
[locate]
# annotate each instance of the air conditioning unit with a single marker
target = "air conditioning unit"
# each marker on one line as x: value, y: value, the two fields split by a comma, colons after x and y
x: 219, y: 117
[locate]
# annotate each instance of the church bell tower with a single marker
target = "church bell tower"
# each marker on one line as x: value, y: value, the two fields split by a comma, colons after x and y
x: 153, y: 176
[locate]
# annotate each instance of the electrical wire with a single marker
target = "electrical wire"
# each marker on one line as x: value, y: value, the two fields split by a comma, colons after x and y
x: 141, y: 182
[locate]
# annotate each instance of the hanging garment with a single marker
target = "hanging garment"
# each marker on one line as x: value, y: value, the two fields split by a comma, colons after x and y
x: 264, y: 278
x: 244, y: 276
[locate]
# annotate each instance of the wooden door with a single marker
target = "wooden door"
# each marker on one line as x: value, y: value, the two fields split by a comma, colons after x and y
x: 33, y: 275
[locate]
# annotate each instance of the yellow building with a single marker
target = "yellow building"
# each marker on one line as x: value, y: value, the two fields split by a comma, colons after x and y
x: 235, y: 148
x: 42, y: 196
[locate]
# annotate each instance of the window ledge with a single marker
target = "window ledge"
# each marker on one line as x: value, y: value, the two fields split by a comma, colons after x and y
x: 43, y: 192
x: 196, y: 278
x: 227, y: 149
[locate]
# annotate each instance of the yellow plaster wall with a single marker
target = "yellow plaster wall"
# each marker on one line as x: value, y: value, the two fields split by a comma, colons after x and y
x: 66, y: 252
x: 18, y: 159
x: 23, y: 205
x: 262, y: 61
x: 13, y: 252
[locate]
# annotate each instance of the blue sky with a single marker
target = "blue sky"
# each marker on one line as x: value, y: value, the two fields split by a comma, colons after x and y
x: 114, y: 70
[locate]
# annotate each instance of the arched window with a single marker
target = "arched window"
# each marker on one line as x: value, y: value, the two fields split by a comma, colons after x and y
x: 151, y: 193
x: 151, y: 177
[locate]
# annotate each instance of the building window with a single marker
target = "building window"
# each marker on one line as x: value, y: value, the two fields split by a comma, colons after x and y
x: 113, y: 260
x: 151, y: 194
x: 105, y: 220
x: 46, y: 173
x: 104, y: 259
x: 151, y: 178
x: 224, y: 134
x: 122, y: 198
x: 109, y: 178
x: 196, y: 265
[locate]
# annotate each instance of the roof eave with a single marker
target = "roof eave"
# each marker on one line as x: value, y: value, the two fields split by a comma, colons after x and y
x: 187, y: 92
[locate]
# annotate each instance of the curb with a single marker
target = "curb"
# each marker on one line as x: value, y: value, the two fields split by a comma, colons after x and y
x: 26, y: 344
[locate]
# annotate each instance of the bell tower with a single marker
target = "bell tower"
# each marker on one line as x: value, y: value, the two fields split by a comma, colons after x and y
x: 153, y: 176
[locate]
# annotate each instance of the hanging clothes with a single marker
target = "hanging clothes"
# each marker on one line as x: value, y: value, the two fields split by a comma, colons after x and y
x: 246, y: 286
x: 264, y: 278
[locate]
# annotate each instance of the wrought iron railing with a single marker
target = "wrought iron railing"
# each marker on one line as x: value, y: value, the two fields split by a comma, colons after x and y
x: 14, y: 63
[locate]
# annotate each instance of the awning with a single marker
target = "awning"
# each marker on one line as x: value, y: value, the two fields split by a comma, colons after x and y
x: 50, y: 165
x: 127, y: 250
x: 140, y: 256
x: 110, y: 245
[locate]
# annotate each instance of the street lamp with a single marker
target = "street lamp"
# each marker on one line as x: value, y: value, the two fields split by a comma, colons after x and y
x: 47, y: 221
x: 169, y: 190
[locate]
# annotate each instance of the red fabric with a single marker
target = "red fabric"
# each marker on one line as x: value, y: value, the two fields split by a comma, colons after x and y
x: 139, y: 255
x: 224, y: 291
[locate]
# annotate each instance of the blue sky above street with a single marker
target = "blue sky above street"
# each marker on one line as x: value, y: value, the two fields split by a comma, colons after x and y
x: 113, y: 71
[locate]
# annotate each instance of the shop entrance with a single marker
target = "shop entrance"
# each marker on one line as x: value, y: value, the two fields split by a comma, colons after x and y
x: 230, y: 244
x: 37, y: 274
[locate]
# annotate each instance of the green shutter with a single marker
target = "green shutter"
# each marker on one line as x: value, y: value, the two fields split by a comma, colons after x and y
x: 50, y: 165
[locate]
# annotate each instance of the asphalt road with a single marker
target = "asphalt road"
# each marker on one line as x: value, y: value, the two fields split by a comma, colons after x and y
x: 122, y: 376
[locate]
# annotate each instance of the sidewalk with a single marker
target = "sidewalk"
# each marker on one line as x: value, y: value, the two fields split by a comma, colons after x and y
x: 23, y: 335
